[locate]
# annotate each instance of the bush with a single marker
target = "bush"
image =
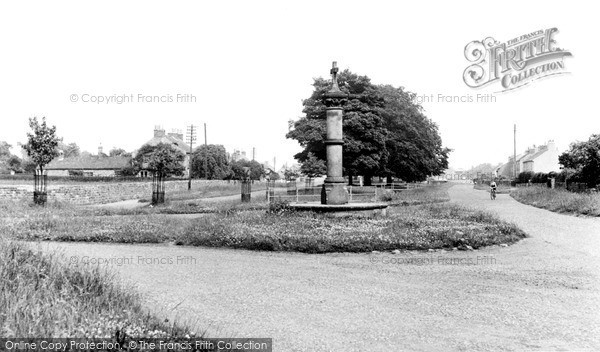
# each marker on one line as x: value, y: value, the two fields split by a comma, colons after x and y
x: 524, y: 177
x: 279, y: 206
x: 539, y: 177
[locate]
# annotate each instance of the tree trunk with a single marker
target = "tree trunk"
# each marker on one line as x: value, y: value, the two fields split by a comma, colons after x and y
x: 350, y: 177
x: 389, y: 180
x: 368, y: 180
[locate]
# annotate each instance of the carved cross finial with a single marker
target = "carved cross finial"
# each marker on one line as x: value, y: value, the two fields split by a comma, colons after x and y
x: 334, y: 71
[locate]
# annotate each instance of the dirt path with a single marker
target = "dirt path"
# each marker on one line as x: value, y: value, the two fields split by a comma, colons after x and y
x: 542, y: 293
x: 134, y: 203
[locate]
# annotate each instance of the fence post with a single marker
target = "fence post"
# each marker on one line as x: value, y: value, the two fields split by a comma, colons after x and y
x: 268, y: 193
x: 296, y: 195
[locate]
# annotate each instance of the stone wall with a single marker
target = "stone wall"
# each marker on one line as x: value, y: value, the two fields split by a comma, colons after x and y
x: 97, y: 193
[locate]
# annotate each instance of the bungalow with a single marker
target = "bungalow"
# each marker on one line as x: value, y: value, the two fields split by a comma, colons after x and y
x: 91, y: 165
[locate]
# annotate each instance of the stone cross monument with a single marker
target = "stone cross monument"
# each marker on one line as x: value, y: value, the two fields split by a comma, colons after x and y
x: 334, y: 187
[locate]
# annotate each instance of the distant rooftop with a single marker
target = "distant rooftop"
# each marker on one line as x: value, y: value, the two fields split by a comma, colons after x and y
x: 90, y: 163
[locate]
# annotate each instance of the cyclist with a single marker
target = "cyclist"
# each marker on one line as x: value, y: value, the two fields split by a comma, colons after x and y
x: 493, y: 187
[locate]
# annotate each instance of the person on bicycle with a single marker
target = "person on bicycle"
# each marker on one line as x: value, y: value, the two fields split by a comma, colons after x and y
x: 493, y: 186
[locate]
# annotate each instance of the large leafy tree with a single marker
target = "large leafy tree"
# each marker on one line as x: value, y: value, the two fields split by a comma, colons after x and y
x: 257, y: 171
x: 414, y: 144
x: 42, y: 143
x: 584, y: 158
x: 385, y: 132
x: 161, y: 158
x: 364, y: 130
x: 215, y: 157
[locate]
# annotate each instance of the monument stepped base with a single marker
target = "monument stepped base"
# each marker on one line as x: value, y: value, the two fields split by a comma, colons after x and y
x: 343, y: 210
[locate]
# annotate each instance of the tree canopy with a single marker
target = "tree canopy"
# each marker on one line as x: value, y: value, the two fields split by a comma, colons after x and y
x: 257, y: 171
x: 42, y: 142
x: 69, y: 150
x: 313, y: 167
x: 385, y: 131
x: 119, y: 152
x: 584, y: 158
x: 217, y: 164
x: 161, y: 158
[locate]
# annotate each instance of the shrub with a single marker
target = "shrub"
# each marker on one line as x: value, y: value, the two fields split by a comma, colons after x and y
x: 524, y: 177
x: 279, y: 206
x: 539, y: 177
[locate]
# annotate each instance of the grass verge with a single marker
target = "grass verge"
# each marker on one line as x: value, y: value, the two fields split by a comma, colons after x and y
x: 42, y: 296
x: 420, y: 227
x: 559, y: 200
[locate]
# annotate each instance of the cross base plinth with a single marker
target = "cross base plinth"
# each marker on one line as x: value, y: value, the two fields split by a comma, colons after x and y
x: 334, y: 194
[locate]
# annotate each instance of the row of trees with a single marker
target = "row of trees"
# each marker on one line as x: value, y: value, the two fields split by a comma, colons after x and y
x: 208, y: 161
x: 386, y: 132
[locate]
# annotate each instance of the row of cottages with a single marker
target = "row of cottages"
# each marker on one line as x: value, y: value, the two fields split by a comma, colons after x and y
x: 543, y: 158
x: 109, y: 166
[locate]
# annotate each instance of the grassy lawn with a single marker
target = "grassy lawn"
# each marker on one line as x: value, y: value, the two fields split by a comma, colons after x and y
x: 423, y: 195
x: 42, y: 296
x: 418, y: 227
x: 424, y: 222
x: 559, y: 200
x: 25, y: 208
x: 210, y: 190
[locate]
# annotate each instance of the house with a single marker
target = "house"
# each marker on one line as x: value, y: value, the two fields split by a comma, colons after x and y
x: 542, y: 158
x: 175, y: 139
x: 88, y: 165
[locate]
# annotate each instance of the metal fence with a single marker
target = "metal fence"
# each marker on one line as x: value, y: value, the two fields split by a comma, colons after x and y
x: 40, y: 196
x: 291, y: 191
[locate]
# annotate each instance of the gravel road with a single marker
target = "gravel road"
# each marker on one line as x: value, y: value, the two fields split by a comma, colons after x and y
x: 540, y: 294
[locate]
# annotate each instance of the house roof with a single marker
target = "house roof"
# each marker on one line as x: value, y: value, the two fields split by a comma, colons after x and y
x: 166, y: 139
x: 532, y: 157
x: 90, y: 163
x: 506, y: 169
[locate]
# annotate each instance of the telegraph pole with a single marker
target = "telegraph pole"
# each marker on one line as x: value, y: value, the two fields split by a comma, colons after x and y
x: 191, y: 138
x: 515, y: 152
x: 205, y: 154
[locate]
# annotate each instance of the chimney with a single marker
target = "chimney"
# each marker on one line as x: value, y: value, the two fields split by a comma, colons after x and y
x: 159, y: 131
x: 100, y: 150
x: 176, y: 134
x: 551, y: 145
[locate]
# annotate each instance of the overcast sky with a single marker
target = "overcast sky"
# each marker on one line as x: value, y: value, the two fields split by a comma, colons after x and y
x: 250, y: 63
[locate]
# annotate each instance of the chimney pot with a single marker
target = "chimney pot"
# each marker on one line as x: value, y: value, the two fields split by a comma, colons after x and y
x: 159, y: 131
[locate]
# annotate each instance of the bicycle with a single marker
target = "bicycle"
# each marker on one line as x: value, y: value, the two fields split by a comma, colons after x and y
x: 493, y: 194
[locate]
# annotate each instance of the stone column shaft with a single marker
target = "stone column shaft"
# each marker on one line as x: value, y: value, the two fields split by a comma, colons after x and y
x: 334, y: 143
